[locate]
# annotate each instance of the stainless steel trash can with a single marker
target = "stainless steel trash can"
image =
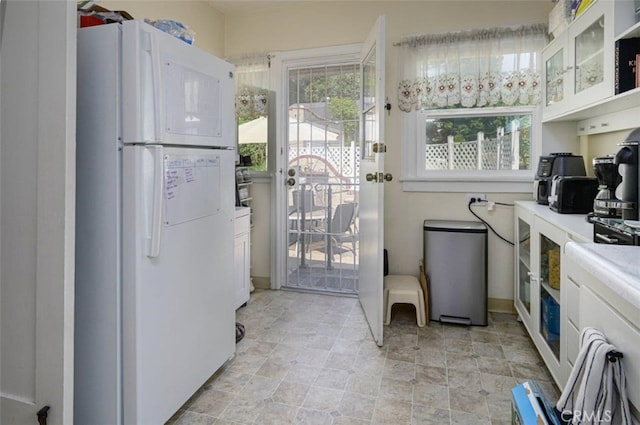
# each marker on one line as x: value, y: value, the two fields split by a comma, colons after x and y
x: 455, y: 258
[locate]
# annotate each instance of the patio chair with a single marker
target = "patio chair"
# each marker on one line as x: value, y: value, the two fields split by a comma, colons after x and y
x: 304, y: 214
x: 342, y: 229
x: 305, y: 200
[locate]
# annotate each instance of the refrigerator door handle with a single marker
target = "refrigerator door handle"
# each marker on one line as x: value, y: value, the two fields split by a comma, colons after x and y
x: 151, y: 46
x: 145, y: 93
x: 157, y: 194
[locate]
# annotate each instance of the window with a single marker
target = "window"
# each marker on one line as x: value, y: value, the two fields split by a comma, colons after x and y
x: 471, y: 106
x: 252, y: 110
x: 482, y: 141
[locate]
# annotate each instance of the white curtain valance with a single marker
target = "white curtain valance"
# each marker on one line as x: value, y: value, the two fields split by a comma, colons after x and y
x: 252, y: 85
x: 490, y: 67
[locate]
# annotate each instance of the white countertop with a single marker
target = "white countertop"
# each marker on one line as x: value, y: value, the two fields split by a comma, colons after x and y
x: 242, y: 211
x: 575, y: 224
x: 617, y: 266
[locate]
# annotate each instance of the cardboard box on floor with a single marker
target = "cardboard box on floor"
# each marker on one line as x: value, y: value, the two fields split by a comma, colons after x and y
x: 529, y: 406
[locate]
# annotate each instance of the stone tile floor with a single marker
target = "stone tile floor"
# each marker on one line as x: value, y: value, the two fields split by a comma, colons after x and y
x: 310, y: 359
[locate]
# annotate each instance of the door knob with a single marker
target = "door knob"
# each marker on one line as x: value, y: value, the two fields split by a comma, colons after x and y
x: 371, y: 177
x: 388, y: 177
x: 291, y: 182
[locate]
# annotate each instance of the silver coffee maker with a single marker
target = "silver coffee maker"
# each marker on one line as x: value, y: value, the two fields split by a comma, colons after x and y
x: 627, y: 161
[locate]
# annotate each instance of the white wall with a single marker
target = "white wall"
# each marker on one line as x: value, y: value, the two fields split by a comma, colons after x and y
x: 604, y: 144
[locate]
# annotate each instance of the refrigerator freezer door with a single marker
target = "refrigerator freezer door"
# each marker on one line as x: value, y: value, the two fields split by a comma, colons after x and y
x: 174, y: 93
x: 177, y: 302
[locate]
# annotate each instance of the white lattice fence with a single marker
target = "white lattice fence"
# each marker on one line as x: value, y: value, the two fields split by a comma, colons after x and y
x: 436, y: 157
x: 465, y: 156
x: 343, y: 162
x: 495, y: 155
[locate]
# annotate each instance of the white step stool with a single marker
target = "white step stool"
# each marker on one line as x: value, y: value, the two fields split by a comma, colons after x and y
x: 404, y: 289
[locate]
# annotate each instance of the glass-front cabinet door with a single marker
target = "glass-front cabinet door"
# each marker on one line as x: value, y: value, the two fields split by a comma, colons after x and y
x: 525, y: 274
x: 524, y: 264
x: 591, y: 64
x: 555, y: 76
x: 547, y: 250
x: 589, y: 56
x: 549, y: 255
x: 555, y: 69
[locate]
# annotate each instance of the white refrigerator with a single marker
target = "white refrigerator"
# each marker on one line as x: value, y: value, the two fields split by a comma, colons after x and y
x: 154, y: 305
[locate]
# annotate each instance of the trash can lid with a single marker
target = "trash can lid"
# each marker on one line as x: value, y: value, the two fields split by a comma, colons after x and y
x: 455, y: 226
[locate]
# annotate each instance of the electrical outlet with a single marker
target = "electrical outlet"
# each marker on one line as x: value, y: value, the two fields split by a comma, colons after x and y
x: 477, y: 196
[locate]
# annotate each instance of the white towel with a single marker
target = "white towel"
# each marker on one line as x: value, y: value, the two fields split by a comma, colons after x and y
x: 595, y: 392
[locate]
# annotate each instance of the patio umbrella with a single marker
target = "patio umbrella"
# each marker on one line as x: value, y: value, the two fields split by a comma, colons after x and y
x: 255, y: 131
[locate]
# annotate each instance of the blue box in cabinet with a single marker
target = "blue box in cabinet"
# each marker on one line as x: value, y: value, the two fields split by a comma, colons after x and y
x: 550, y: 312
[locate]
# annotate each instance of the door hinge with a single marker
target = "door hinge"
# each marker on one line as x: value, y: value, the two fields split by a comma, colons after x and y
x: 379, y: 148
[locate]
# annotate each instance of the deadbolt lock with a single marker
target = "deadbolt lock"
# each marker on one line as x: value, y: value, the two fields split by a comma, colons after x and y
x: 379, y: 177
x: 291, y: 172
x: 379, y: 148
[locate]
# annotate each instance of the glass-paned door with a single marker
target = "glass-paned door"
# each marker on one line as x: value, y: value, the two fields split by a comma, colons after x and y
x: 323, y: 166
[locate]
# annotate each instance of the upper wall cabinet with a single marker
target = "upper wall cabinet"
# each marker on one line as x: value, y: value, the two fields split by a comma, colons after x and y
x: 579, y: 65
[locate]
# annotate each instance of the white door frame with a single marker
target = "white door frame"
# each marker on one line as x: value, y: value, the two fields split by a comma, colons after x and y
x: 281, y: 62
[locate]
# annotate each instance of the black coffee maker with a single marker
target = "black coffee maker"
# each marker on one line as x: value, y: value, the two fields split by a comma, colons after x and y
x: 627, y: 161
x: 606, y: 204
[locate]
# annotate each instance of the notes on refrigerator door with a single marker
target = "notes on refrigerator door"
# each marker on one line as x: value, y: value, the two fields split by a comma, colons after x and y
x: 191, y: 187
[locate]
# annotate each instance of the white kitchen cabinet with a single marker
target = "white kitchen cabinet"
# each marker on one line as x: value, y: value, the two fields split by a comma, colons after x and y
x: 578, y: 66
x: 616, y: 121
x: 602, y: 308
x: 242, y: 256
x: 543, y: 297
x: 538, y: 280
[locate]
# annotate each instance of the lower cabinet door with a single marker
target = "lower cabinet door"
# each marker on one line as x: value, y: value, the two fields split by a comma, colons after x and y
x: 573, y: 343
x: 598, y: 314
x: 241, y: 264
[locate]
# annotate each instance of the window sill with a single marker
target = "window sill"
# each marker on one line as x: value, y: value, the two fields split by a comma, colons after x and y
x: 261, y: 177
x: 486, y: 184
